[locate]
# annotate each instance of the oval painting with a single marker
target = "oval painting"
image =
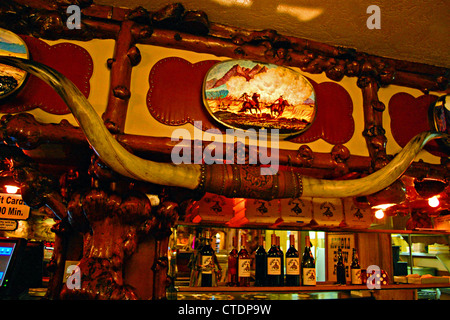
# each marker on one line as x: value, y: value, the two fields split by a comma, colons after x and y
x: 11, y: 79
x: 243, y: 94
x: 439, y: 119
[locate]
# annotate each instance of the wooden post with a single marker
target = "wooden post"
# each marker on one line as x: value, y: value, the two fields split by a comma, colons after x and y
x: 374, y: 132
x: 126, y: 56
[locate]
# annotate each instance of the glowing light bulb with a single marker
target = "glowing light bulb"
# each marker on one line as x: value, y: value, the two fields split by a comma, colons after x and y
x: 379, y: 214
x: 11, y: 189
x: 433, y: 202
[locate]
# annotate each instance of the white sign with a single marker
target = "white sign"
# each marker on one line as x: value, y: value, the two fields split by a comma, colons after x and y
x: 8, y: 225
x: 12, y: 207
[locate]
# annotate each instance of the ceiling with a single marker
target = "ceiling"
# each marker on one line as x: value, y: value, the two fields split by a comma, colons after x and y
x: 412, y: 30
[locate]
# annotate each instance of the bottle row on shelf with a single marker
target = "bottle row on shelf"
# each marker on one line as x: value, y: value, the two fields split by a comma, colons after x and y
x: 269, y: 268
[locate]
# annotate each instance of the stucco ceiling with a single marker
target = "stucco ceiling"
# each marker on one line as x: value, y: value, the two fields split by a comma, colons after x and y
x: 412, y: 30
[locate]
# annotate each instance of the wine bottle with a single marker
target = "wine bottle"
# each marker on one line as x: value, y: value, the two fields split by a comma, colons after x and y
x: 260, y: 264
x: 292, y: 264
x: 281, y: 255
x: 355, y: 268
x: 207, y: 264
x: 273, y: 264
x: 244, y: 264
x: 340, y: 268
x: 308, y: 265
x: 232, y: 265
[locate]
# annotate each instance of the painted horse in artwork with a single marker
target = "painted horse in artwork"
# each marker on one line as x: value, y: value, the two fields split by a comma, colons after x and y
x: 277, y: 108
x: 250, y: 105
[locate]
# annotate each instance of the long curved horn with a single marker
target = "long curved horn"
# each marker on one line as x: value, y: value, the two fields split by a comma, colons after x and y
x: 246, y: 181
x: 104, y: 144
x: 375, y: 181
x: 226, y: 179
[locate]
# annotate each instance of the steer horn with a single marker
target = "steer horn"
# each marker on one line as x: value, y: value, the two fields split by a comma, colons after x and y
x: 226, y: 179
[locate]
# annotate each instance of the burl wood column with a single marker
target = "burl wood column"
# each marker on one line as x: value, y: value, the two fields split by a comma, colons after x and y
x: 126, y: 56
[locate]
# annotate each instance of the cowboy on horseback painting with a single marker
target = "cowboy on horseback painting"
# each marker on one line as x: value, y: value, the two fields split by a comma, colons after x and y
x: 250, y: 105
x: 277, y: 108
x: 247, y: 94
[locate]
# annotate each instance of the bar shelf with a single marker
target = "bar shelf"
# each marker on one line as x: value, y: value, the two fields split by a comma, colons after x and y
x: 429, y: 232
x: 320, y: 287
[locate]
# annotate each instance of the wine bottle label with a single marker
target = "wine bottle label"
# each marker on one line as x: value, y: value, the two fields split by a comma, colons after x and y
x: 206, y: 264
x: 356, y: 276
x: 274, y: 266
x: 293, y: 266
x: 309, y: 276
x: 244, y: 267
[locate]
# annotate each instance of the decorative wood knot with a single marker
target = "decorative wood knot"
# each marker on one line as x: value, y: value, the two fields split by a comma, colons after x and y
x: 442, y: 82
x: 177, y: 37
x: 282, y: 53
x: 387, y: 75
x: 364, y: 80
x: 139, y: 15
x: 336, y: 71
x: 134, y: 55
x: 65, y: 123
x: 381, y: 160
x: 145, y: 32
x: 367, y: 68
x: 306, y: 155
x: 121, y: 92
x: 340, y: 153
x: 374, y: 131
x: 352, y: 69
x: 195, y: 22
x: 315, y: 65
x: 110, y: 62
x: 239, y: 51
x: 378, y: 105
x: 238, y: 39
x: 49, y: 25
x: 378, y: 143
x: 168, y: 16
x: 377, y: 71
x: 263, y: 35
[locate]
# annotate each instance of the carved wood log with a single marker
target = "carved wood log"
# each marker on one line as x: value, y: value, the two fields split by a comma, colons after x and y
x: 268, y: 46
x: 114, y: 224
x: 26, y: 132
x: 374, y: 132
x: 126, y: 55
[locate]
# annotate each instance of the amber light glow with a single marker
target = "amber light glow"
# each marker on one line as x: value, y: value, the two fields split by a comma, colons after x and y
x: 433, y: 202
x: 379, y: 214
x: 11, y: 189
